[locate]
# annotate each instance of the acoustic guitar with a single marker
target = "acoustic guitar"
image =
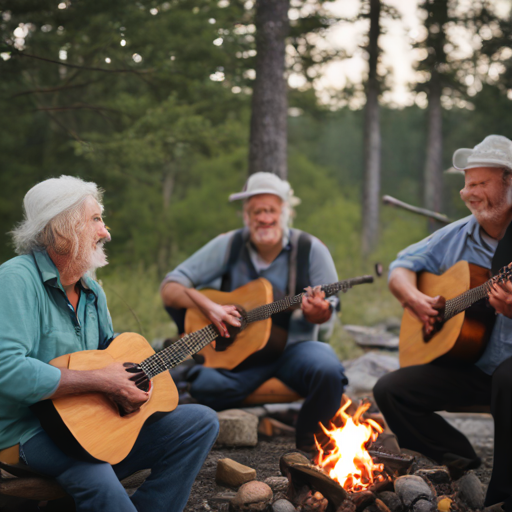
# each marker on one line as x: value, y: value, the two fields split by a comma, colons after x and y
x: 93, y: 426
x: 256, y: 297
x: 465, y: 321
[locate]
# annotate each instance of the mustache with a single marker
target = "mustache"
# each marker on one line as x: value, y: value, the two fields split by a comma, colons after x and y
x: 104, y: 240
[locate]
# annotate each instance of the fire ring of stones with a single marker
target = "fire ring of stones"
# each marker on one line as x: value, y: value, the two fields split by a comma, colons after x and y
x: 415, y: 484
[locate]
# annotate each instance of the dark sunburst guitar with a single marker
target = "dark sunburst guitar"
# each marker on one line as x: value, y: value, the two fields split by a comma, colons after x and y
x: 465, y: 320
x: 92, y: 425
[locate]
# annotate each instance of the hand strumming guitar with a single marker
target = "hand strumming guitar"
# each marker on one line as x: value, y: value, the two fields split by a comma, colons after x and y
x: 113, y: 380
x: 316, y: 309
x: 218, y: 314
x: 403, y: 285
x: 500, y: 298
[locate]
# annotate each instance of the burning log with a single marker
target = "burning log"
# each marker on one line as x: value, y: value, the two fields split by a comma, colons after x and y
x: 310, y: 477
x: 399, y: 463
x: 344, y: 455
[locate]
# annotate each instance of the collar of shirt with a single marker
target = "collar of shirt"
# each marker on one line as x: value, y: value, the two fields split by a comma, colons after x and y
x: 50, y: 274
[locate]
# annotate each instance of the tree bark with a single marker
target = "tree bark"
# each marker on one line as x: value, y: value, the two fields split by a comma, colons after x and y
x: 268, y: 138
x: 433, y: 176
x: 372, y: 138
x: 164, y: 251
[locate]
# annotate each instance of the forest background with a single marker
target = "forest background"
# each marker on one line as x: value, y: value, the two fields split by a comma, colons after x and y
x: 152, y: 101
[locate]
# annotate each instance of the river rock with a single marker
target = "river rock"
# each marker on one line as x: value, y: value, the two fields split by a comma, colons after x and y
x: 283, y: 506
x: 364, y: 372
x: 423, y: 506
x: 471, y: 491
x: 232, y: 473
x: 391, y: 500
x: 237, y: 428
x: 252, y: 497
x: 411, y: 488
x: 277, y: 483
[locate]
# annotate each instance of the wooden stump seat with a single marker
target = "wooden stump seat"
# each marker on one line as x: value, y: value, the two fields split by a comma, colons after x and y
x: 19, y: 481
x: 273, y: 391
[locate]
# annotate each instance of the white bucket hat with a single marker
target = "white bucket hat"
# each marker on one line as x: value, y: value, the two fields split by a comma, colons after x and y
x: 493, y: 151
x: 264, y: 183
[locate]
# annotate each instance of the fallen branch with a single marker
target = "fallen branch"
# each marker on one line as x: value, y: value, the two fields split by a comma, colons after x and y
x: 414, y: 209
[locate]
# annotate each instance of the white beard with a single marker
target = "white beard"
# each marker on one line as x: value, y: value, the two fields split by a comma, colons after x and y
x: 97, y: 258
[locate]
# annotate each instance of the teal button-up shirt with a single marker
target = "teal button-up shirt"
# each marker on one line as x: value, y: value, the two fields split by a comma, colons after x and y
x: 38, y: 324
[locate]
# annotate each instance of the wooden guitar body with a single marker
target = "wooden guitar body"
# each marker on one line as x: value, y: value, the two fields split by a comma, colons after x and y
x: 253, y: 338
x: 463, y: 337
x: 93, y: 419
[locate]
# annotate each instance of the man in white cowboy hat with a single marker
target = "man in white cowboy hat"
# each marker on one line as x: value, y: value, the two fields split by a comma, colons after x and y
x: 291, y: 260
x: 409, y: 397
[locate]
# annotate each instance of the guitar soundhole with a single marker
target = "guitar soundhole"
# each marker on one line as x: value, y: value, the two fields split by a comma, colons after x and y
x: 139, y: 377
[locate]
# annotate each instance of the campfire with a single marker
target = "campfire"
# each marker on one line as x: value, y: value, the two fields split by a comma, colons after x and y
x: 342, y: 450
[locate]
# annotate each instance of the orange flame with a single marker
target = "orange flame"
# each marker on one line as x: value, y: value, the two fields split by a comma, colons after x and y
x: 344, y: 456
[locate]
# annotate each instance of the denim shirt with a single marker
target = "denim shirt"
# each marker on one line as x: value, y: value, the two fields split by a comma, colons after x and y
x: 39, y: 324
x: 460, y: 240
x: 205, y: 268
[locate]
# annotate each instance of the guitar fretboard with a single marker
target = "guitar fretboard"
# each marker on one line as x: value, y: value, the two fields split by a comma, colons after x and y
x: 267, y: 310
x: 467, y: 299
x: 176, y: 353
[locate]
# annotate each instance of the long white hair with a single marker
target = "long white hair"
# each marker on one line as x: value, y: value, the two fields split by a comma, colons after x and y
x: 54, y: 212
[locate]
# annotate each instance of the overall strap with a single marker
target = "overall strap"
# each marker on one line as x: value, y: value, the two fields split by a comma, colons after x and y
x: 503, y: 254
x: 237, y: 243
x: 298, y: 277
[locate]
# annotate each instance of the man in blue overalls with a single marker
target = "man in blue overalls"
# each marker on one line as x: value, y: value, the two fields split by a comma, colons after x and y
x: 291, y: 260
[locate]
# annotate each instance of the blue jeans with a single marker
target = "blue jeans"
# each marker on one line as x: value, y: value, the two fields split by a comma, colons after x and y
x: 311, y: 368
x: 174, y: 447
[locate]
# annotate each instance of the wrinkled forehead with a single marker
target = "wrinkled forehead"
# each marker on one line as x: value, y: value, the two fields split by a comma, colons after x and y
x: 478, y: 174
x: 92, y: 207
x: 263, y: 201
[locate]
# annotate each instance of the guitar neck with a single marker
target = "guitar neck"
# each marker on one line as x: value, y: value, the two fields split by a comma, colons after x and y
x: 177, y: 352
x: 467, y: 299
x: 267, y: 310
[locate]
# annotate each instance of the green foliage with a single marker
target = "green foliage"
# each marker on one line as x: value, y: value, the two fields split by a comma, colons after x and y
x: 168, y: 142
x: 134, y: 302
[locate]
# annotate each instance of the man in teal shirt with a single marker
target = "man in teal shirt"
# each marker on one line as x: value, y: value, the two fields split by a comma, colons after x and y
x: 51, y: 306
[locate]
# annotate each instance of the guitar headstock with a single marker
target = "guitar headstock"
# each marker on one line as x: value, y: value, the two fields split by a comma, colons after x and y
x: 344, y: 286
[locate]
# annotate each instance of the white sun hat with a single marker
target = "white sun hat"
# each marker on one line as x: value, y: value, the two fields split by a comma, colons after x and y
x: 493, y: 151
x: 264, y: 183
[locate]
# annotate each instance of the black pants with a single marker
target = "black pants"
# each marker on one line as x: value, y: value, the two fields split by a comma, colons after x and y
x: 409, y: 397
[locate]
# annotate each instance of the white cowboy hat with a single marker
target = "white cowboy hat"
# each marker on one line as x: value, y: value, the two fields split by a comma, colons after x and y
x: 264, y: 183
x: 493, y: 151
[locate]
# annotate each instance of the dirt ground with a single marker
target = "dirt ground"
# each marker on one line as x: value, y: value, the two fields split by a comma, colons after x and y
x: 264, y: 458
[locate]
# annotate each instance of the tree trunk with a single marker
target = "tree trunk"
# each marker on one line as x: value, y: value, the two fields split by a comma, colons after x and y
x: 164, y: 251
x: 372, y: 138
x: 433, y: 177
x: 268, y: 139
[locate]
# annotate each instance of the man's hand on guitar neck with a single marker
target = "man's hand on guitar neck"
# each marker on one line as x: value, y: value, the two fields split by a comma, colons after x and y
x: 314, y: 306
x: 403, y: 285
x: 500, y: 298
